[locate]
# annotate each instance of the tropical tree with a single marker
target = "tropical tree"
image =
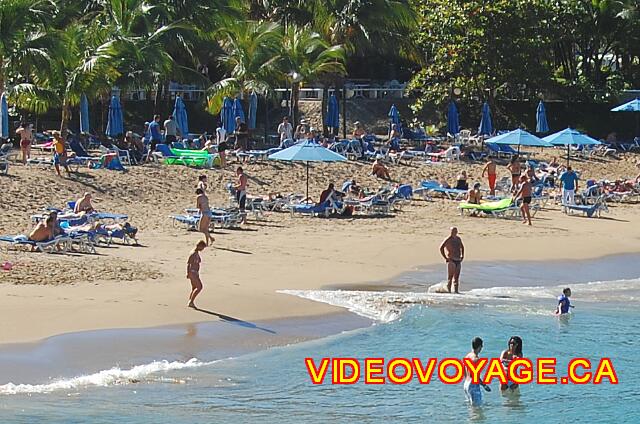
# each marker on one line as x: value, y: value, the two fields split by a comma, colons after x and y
x: 306, y: 58
x: 24, y: 41
x: 250, y: 54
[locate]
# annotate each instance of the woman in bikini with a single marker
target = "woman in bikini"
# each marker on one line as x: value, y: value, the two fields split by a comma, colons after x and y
x: 513, y: 351
x: 202, y: 203
x: 193, y: 272
x: 514, y: 168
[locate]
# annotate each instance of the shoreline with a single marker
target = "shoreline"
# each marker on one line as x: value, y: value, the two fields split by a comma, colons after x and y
x: 80, y: 353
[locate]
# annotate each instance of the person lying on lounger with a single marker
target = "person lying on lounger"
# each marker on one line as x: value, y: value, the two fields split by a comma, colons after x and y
x: 380, y: 171
x: 44, y: 231
x: 83, y: 205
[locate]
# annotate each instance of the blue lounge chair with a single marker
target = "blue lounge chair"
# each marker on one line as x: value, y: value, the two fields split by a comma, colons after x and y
x: 590, y: 210
x: 58, y: 244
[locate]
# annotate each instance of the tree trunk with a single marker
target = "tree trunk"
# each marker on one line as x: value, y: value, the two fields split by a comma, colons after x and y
x: 1, y: 74
x: 66, y: 116
x: 295, y: 93
x: 325, y: 102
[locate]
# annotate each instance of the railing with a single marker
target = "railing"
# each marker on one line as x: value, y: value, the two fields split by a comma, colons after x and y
x: 351, y: 92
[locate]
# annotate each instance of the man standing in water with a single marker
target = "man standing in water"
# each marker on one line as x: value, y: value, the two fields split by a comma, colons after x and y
x: 472, y: 391
x: 452, y: 250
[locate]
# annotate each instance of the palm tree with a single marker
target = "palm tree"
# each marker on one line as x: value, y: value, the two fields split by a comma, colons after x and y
x: 306, y: 58
x: 24, y: 41
x: 250, y: 56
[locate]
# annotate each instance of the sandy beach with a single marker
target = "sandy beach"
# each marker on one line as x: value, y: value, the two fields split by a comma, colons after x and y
x: 145, y: 286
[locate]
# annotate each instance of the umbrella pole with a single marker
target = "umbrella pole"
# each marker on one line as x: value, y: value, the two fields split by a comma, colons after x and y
x: 307, y: 180
x: 568, y: 151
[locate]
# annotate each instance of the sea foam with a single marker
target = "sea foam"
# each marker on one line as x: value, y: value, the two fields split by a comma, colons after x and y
x: 110, y: 377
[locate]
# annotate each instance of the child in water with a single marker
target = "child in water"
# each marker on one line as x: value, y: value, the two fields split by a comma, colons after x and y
x: 563, y: 302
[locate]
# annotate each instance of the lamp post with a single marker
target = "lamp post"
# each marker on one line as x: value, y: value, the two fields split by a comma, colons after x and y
x: 295, y: 80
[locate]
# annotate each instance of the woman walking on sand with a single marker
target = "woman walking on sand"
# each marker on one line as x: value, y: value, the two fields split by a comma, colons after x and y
x: 202, y: 203
x: 193, y: 272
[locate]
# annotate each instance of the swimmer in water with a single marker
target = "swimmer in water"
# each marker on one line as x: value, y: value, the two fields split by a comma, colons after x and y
x: 513, y: 351
x: 472, y: 391
x: 564, y: 303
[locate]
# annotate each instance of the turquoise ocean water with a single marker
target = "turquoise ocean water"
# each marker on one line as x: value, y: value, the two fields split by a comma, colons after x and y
x: 273, y: 385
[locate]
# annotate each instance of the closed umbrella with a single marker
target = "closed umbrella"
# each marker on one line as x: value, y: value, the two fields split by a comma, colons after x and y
x: 394, y: 117
x: 237, y: 110
x: 632, y: 106
x: 253, y: 110
x: 486, y: 126
x: 115, y: 124
x: 519, y: 138
x: 570, y: 137
x: 84, y: 115
x: 180, y: 115
x: 307, y: 151
x: 542, y: 126
x: 4, y: 117
x: 453, y: 123
x: 226, y: 116
x: 333, y: 114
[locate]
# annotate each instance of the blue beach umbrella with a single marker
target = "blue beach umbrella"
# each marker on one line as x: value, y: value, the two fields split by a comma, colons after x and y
x: 632, y: 106
x: 542, y: 126
x: 4, y: 117
x: 570, y: 137
x: 486, y: 126
x: 237, y: 110
x: 453, y: 123
x: 519, y: 138
x: 307, y: 151
x: 253, y: 110
x: 226, y: 116
x: 84, y: 115
x: 180, y: 115
x: 333, y: 113
x: 115, y: 124
x: 394, y: 117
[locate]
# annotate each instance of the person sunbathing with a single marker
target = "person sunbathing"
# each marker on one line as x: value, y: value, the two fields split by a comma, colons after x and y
x: 44, y: 231
x: 327, y: 194
x: 355, y: 189
x: 474, y: 195
x: 380, y: 171
x: 461, y: 182
x: 83, y: 205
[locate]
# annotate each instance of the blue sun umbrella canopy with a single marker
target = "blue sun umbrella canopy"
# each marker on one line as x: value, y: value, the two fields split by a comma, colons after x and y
x: 180, y: 115
x: 84, y: 115
x: 542, y: 126
x: 571, y: 137
x: 115, y: 123
x: 226, y: 116
x: 333, y: 113
x: 307, y: 151
x: 4, y: 117
x: 453, y: 123
x: 519, y: 138
x: 486, y: 126
x: 632, y: 106
x: 253, y: 110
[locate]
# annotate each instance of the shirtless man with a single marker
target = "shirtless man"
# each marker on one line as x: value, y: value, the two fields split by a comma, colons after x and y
x: 452, y: 250
x: 26, y: 137
x: 241, y: 188
x: 380, y: 171
x: 490, y: 170
x: 524, y: 192
x: 472, y: 391
x: 514, y: 168
x: 83, y: 205
x: 202, y: 203
x: 44, y: 231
